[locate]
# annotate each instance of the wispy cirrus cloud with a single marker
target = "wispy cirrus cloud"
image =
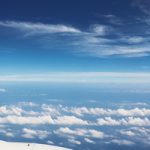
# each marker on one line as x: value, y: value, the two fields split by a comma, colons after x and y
x: 111, y: 19
x: 97, y: 40
x: 143, y: 5
x: 31, y: 28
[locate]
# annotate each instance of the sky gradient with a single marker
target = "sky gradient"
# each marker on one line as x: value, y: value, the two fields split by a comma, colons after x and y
x: 74, y: 36
x: 75, y: 73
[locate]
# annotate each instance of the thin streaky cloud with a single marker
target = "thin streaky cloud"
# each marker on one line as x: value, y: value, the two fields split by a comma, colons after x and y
x: 39, y: 28
x: 93, y: 41
x: 82, y: 77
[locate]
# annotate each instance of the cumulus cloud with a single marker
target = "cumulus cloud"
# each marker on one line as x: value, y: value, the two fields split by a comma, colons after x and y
x: 50, y: 110
x: 129, y: 121
x: 59, y: 115
x: 77, y: 124
x: 30, y: 133
x: 80, y: 132
x: 70, y: 120
x: 127, y: 132
x: 108, y: 121
x: 22, y: 120
x: 80, y: 111
x: 11, y: 110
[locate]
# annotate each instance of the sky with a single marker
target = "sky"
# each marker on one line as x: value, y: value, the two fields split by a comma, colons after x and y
x: 80, y: 72
x: 39, y: 37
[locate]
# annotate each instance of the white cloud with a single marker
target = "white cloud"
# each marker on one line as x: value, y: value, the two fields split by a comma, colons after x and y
x: 96, y: 134
x: 108, y: 121
x: 7, y: 133
x: 80, y: 111
x: 129, y: 121
x: 134, y: 40
x: 38, y: 28
x: 30, y: 133
x: 82, y: 77
x: 11, y: 110
x: 122, y: 142
x: 128, y: 133
x: 89, y: 140
x: 72, y: 123
x: 50, y: 142
x: 65, y: 130
x: 70, y: 120
x: 59, y: 115
x: 74, y: 141
x: 107, y: 50
x: 100, y: 29
x: 86, y: 42
x: 50, y: 110
x: 91, y: 133
x: 136, y: 121
x: 22, y: 120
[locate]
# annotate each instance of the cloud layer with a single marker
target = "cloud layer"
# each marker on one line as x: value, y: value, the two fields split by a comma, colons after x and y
x: 81, y: 77
x: 76, y: 125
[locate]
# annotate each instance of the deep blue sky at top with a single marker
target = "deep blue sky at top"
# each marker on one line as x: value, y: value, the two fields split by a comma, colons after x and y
x: 106, y: 35
x: 76, y: 12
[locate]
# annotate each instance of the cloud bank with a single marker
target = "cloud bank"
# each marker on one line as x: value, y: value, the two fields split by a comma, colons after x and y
x: 76, y: 125
x: 81, y: 77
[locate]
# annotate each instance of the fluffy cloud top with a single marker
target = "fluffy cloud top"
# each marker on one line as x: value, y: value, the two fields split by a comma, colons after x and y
x: 76, y: 124
x: 30, y: 133
x: 81, y: 132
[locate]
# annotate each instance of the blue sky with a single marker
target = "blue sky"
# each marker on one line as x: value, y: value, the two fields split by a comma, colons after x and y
x: 81, y: 72
x: 74, y: 36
